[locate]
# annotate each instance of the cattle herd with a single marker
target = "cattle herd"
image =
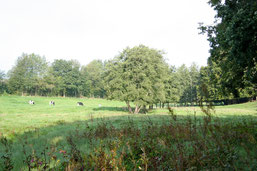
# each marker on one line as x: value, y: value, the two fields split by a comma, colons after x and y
x: 52, y: 103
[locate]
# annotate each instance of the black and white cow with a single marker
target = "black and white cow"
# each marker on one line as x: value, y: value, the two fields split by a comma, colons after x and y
x: 80, y: 104
x: 31, y: 102
x: 51, y: 103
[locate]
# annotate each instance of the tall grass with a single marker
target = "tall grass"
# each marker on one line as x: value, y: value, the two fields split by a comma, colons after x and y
x: 195, y: 144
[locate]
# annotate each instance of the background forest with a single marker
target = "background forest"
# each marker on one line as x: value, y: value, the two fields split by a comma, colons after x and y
x: 33, y: 75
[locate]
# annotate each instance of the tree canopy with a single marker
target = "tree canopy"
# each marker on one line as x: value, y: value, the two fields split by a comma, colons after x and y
x: 2, y: 83
x: 233, y: 42
x: 27, y: 72
x: 136, y: 75
x: 139, y: 76
x: 94, y: 74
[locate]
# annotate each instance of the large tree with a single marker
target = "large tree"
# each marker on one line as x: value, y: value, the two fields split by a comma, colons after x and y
x: 25, y: 75
x: 233, y: 42
x: 136, y: 75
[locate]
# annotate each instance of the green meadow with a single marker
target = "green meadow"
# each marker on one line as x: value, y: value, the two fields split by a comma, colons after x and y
x: 102, y: 135
x: 17, y: 115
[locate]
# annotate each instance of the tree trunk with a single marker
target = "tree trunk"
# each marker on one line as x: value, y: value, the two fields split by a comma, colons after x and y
x: 129, y: 107
x: 137, y: 109
x: 36, y: 92
x: 64, y: 91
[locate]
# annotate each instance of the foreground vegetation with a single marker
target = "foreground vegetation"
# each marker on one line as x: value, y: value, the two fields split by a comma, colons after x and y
x: 71, y: 137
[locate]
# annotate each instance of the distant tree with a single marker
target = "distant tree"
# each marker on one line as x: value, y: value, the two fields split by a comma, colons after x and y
x: 233, y: 43
x: 48, y: 87
x: 59, y: 70
x: 93, y: 72
x: 172, y: 89
x: 136, y: 75
x: 206, y: 90
x: 74, y: 79
x: 3, y: 86
x: 184, y: 80
x: 67, y: 77
x: 194, y: 81
x: 24, y: 76
x: 187, y: 79
x: 2, y: 75
x: 210, y: 85
x: 85, y: 87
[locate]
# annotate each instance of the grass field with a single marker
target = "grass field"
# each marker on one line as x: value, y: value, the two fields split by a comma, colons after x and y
x: 71, y: 135
x: 15, y: 109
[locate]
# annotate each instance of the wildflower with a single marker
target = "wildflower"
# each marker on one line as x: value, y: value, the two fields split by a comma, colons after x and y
x: 63, y: 151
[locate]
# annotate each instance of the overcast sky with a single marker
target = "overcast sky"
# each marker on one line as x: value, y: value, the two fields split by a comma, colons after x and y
x: 99, y: 29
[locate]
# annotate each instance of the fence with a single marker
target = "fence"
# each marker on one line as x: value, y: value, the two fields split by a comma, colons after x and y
x: 234, y: 101
x: 214, y: 102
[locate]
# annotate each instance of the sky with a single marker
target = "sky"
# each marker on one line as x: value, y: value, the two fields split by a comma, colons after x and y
x: 85, y: 30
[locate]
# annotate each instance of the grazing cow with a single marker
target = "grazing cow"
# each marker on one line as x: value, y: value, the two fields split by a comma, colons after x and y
x: 80, y: 104
x: 51, y: 103
x: 100, y: 105
x: 31, y: 102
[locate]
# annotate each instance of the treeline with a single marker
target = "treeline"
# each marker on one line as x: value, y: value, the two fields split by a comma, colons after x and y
x: 33, y: 75
x: 232, y: 65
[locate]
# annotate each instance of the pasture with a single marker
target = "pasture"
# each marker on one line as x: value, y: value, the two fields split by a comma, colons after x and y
x: 105, y: 136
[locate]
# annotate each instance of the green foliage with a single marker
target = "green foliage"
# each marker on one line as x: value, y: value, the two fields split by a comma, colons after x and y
x: 24, y: 76
x: 94, y: 82
x: 67, y: 77
x: 233, y: 44
x: 32, y: 76
x: 172, y: 87
x: 2, y: 75
x: 136, y: 75
x: 3, y: 84
x: 207, y: 89
x: 6, y: 155
x: 188, y: 79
